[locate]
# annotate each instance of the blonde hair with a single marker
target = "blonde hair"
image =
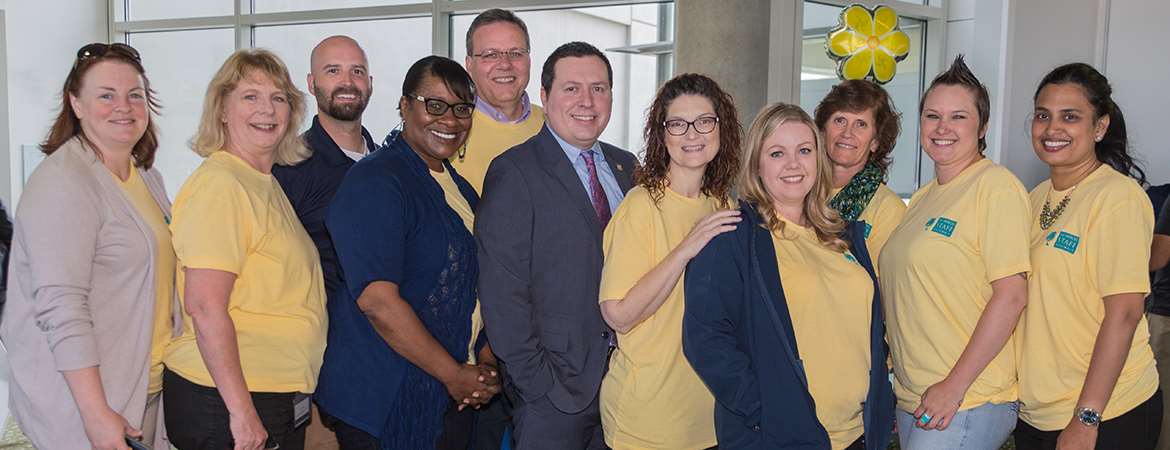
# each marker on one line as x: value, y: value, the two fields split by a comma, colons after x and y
x: 825, y: 221
x: 212, y: 135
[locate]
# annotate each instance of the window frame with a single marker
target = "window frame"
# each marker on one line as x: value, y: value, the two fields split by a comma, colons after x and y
x: 788, y: 34
x: 243, y: 21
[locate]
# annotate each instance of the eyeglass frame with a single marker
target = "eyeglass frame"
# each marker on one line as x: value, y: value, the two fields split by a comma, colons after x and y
x: 446, y: 106
x: 512, y: 54
x: 92, y: 51
x: 690, y: 124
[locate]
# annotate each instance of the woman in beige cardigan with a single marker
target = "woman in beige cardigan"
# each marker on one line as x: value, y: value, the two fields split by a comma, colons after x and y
x: 90, y: 285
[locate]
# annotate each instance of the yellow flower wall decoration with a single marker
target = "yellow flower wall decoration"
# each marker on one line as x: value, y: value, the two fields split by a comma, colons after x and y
x: 867, y: 43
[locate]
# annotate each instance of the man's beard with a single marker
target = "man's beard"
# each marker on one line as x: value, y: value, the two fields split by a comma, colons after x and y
x: 343, y: 112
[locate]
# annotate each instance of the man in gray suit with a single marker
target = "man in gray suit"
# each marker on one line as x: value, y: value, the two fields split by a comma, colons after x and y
x: 539, y: 227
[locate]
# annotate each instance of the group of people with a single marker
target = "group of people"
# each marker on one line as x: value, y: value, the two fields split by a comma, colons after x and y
x: 492, y: 263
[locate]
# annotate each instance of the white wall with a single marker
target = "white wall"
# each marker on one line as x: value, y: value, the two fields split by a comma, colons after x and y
x: 41, y: 41
x: 1137, y: 66
x: 1011, y: 44
x: 38, y: 44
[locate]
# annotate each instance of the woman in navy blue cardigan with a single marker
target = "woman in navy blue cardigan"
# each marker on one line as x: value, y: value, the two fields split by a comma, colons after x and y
x: 783, y: 317
x: 404, y: 333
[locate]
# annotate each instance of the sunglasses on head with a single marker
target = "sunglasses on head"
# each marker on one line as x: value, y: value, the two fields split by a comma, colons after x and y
x: 99, y: 49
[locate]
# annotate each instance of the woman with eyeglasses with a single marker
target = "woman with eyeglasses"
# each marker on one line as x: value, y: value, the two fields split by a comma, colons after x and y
x: 92, y: 270
x: 681, y: 201
x: 783, y: 318
x: 400, y: 341
x: 250, y: 280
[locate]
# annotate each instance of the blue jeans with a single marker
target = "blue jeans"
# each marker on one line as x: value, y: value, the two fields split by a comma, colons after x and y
x: 984, y: 427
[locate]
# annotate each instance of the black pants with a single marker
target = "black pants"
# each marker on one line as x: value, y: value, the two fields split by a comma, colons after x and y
x: 349, y: 437
x: 197, y: 418
x: 1137, y: 429
x: 457, y: 428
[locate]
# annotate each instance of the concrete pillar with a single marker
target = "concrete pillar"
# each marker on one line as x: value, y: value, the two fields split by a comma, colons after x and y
x: 727, y: 40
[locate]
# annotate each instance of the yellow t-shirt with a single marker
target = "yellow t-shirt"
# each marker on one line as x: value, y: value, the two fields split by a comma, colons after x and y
x: 827, y: 290
x: 651, y: 398
x: 230, y: 217
x: 164, y: 270
x: 937, y: 269
x: 883, y: 213
x: 1099, y: 246
x: 488, y: 139
x: 459, y: 204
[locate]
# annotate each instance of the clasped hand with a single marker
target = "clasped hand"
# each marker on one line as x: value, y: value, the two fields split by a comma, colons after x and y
x: 475, y: 385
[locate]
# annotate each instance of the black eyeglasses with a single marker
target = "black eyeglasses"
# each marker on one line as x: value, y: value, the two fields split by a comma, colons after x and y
x: 495, y: 56
x: 99, y: 49
x: 703, y: 125
x: 436, y: 107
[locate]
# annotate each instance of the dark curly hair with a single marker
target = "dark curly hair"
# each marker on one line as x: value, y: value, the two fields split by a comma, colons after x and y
x: 1113, y: 149
x: 719, y: 177
x: 858, y: 96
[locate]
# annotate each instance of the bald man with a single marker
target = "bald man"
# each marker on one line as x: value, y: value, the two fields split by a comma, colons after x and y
x: 340, y: 80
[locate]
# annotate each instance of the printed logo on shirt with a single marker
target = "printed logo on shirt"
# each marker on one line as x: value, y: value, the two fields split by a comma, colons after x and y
x: 868, y: 228
x: 849, y: 257
x: 1063, y: 241
x: 942, y: 225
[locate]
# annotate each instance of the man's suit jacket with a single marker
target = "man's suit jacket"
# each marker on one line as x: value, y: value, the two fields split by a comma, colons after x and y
x: 540, y: 270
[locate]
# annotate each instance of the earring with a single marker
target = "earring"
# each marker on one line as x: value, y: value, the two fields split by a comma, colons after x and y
x: 1099, y: 138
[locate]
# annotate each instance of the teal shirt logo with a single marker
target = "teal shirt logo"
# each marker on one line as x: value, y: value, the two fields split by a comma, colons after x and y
x: 849, y: 257
x: 1063, y: 241
x: 942, y: 225
x: 868, y: 228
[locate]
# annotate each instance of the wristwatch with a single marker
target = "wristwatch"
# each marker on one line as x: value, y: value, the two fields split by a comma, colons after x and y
x: 1088, y: 416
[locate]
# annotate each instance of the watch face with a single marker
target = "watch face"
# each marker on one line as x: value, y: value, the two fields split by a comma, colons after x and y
x: 1089, y: 417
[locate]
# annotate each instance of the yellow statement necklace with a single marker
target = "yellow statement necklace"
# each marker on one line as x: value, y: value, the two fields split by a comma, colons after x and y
x: 1048, y: 214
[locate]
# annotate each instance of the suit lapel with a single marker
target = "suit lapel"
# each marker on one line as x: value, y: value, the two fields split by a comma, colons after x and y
x: 559, y: 168
x: 621, y: 172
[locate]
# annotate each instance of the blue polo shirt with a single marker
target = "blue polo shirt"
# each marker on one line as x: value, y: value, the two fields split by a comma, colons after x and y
x: 310, y: 186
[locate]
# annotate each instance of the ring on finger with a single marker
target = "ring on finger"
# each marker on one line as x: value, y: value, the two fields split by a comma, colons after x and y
x: 925, y: 419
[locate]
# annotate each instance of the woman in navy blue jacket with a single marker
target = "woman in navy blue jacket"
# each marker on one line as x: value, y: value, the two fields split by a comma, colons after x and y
x: 783, y: 317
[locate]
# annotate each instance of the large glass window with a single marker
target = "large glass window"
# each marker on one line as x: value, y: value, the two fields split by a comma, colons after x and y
x: 266, y: 6
x: 391, y: 47
x: 612, y: 29
x: 182, y: 53
x: 169, y: 9
x: 818, y: 74
x: 179, y: 73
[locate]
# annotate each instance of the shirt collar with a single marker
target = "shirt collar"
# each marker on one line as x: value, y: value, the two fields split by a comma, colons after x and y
x: 321, y: 143
x: 496, y: 115
x: 573, y: 153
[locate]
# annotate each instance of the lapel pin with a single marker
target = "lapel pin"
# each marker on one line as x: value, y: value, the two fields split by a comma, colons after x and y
x: 620, y: 168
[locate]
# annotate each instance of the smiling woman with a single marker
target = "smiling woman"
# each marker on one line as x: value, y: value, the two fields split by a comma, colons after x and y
x: 955, y: 375
x: 792, y: 269
x: 404, y: 344
x: 253, y: 299
x: 89, y: 297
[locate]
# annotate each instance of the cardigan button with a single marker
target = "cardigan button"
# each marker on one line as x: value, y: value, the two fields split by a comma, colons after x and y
x: 605, y: 334
x: 756, y: 428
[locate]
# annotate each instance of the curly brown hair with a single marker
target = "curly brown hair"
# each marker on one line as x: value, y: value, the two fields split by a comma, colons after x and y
x: 857, y: 96
x: 719, y: 176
